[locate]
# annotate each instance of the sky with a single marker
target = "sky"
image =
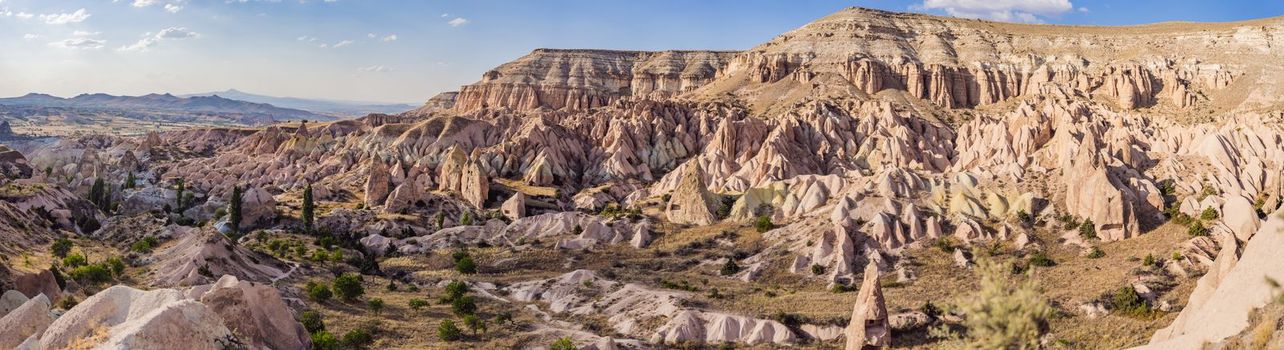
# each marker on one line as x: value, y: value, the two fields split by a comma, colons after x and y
x: 407, y: 51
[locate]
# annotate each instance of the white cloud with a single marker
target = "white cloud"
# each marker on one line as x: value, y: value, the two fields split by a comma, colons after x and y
x: 306, y: 38
x: 458, y: 21
x: 30, y: 36
x: 84, y: 33
x: 1028, y: 11
x: 370, y: 35
x: 375, y: 69
x: 145, y: 3
x: 173, y: 8
x: 79, y: 44
x: 444, y: 15
x: 390, y: 37
x: 149, y: 41
x: 341, y: 44
x: 64, y: 18
x: 23, y: 15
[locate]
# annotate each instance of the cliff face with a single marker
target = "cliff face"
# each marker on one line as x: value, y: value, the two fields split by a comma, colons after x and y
x: 958, y: 63
x: 583, y: 79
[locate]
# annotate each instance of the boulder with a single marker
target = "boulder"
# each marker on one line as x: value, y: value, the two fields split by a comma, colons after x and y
x: 37, y: 283
x: 31, y: 318
x: 515, y: 207
x: 257, y: 207
x: 377, y: 183
x: 1240, y: 216
x: 254, y: 312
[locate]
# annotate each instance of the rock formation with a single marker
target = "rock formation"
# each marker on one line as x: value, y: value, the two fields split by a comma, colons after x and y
x: 690, y: 202
x: 869, y: 327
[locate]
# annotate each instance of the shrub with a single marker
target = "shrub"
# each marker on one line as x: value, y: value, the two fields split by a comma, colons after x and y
x: 463, y: 305
x: 348, y: 287
x: 764, y: 224
x: 1209, y: 214
x: 318, y: 292
x: 92, y: 274
x: 1197, y: 229
x: 475, y: 324
x: 116, y: 265
x: 144, y: 245
x: 1087, y: 229
x: 67, y: 302
x: 1149, y: 260
x: 1096, y: 253
x: 817, y: 269
x: 375, y: 305
x: 1126, y: 301
x: 323, y: 340
x: 74, y: 260
x: 61, y: 247
x: 1041, y: 259
x: 311, y: 321
x: 729, y: 268
x: 357, y: 338
x: 447, y: 331
x: 466, y: 220
x: 455, y: 290
x: 417, y: 304
x: 466, y: 265
x: 562, y: 344
x: 666, y: 198
x: 1006, y: 313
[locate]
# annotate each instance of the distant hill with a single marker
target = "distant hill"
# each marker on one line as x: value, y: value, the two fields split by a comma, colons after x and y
x: 158, y: 107
x: 330, y: 107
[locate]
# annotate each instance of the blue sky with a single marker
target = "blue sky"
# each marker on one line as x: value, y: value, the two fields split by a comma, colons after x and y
x: 406, y: 51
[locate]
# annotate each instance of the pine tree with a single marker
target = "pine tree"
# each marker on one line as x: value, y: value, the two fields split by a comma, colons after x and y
x: 180, y: 187
x: 308, y: 208
x: 99, y: 193
x: 234, y: 210
x: 129, y: 181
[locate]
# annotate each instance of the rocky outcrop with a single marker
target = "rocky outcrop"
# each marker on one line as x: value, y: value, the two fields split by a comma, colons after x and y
x: 201, y: 255
x: 377, y: 186
x: 584, y: 79
x: 13, y: 165
x: 869, y: 327
x: 690, y: 202
x: 515, y: 207
x: 254, y: 312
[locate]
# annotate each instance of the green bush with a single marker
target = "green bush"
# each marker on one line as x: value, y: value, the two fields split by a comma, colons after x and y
x: 1209, y: 214
x: 1087, y: 229
x: 417, y: 304
x: 1096, y: 253
x: 466, y: 219
x: 375, y: 305
x: 455, y: 290
x: 92, y: 274
x: 1007, y: 313
x: 318, y: 292
x: 1148, y: 261
x: 348, y: 287
x: 562, y: 344
x: 1197, y: 229
x: 144, y: 245
x: 764, y: 224
x: 74, y: 260
x: 447, y: 331
x: 323, y: 340
x: 464, y: 305
x: 1127, y: 302
x: 466, y: 265
x: 116, y: 265
x: 357, y: 338
x: 1041, y: 259
x: 475, y: 324
x: 817, y: 269
x: 60, y: 247
x: 729, y: 268
x: 311, y: 321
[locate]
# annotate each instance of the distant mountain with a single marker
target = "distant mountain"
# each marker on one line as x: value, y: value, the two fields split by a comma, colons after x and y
x: 330, y: 107
x: 159, y: 107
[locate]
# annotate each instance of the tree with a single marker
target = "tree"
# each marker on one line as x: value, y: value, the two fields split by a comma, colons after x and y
x: 179, y: 187
x: 61, y: 247
x: 308, y: 208
x: 117, y: 266
x: 348, y: 287
x: 1087, y: 229
x: 234, y: 210
x: 475, y: 324
x: 1007, y: 313
x: 455, y: 290
x: 376, y: 305
x: 562, y: 344
x: 357, y: 338
x: 100, y: 194
x: 74, y: 260
x: 129, y: 181
x: 448, y: 331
